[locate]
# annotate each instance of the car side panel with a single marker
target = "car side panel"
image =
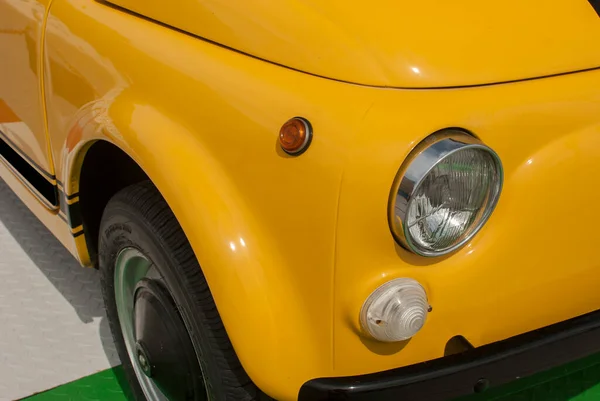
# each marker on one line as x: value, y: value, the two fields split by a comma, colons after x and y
x: 22, y: 118
x: 52, y: 221
x: 21, y: 104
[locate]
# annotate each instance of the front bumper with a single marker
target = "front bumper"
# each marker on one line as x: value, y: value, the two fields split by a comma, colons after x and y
x: 470, y: 371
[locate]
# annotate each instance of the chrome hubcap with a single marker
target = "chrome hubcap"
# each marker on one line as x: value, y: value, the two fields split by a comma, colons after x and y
x: 156, y: 338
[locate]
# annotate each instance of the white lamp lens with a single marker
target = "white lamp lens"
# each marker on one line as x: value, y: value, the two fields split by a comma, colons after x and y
x: 395, y: 311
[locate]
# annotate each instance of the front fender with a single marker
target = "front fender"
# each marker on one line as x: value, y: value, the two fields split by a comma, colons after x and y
x: 270, y: 283
x: 262, y: 224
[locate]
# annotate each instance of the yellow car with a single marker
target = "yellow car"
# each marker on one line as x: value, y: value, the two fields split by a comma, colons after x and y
x: 317, y: 200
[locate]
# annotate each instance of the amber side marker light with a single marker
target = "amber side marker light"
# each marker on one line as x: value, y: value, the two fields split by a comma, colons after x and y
x: 295, y: 136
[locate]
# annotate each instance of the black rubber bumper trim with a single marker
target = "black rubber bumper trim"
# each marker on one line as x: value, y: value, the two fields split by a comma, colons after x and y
x: 468, y: 372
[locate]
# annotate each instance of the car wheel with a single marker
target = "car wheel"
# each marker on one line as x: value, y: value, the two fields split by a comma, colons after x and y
x: 164, y: 321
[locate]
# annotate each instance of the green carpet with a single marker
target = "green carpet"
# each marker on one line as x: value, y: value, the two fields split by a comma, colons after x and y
x: 577, y: 381
x: 107, y: 385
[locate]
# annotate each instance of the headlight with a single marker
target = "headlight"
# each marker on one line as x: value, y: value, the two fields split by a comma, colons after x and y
x: 444, y: 192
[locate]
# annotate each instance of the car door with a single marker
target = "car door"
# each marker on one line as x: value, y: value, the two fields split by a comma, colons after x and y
x: 23, y: 139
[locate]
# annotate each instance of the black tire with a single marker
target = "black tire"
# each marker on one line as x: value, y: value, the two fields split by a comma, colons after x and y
x: 138, y: 217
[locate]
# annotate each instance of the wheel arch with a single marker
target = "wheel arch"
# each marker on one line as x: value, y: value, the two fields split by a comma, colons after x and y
x: 215, y: 219
x: 104, y: 170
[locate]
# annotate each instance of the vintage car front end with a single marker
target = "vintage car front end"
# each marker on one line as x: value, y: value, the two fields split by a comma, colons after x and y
x: 293, y: 246
x: 533, y: 264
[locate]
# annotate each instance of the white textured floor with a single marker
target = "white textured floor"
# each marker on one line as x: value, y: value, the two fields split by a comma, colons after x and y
x: 52, y: 324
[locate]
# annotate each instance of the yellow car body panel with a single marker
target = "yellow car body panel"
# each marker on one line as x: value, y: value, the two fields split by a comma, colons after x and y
x: 292, y: 246
x: 21, y: 101
x: 535, y: 261
x: 395, y: 43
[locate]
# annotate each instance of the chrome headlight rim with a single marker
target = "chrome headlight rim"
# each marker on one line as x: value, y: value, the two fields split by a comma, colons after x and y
x: 437, y: 146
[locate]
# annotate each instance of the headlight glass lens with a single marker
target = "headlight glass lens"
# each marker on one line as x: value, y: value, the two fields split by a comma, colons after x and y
x: 447, y: 202
x: 446, y: 194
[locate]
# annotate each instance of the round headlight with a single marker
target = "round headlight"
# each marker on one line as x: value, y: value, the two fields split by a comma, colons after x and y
x: 395, y: 311
x: 444, y: 192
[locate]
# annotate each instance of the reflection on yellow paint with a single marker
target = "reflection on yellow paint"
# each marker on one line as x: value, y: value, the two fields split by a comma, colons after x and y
x: 6, y: 114
x: 20, y: 91
x: 80, y: 108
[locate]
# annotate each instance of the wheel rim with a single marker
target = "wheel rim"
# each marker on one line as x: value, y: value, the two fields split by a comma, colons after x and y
x: 157, y: 342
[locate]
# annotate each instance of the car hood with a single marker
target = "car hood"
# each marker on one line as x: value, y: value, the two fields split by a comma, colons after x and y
x: 399, y: 43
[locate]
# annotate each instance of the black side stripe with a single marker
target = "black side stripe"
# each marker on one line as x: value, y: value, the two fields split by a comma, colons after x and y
x: 61, y: 189
x: 72, y: 211
x: 30, y: 174
x: 72, y: 196
x: 24, y: 169
x: 39, y: 169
